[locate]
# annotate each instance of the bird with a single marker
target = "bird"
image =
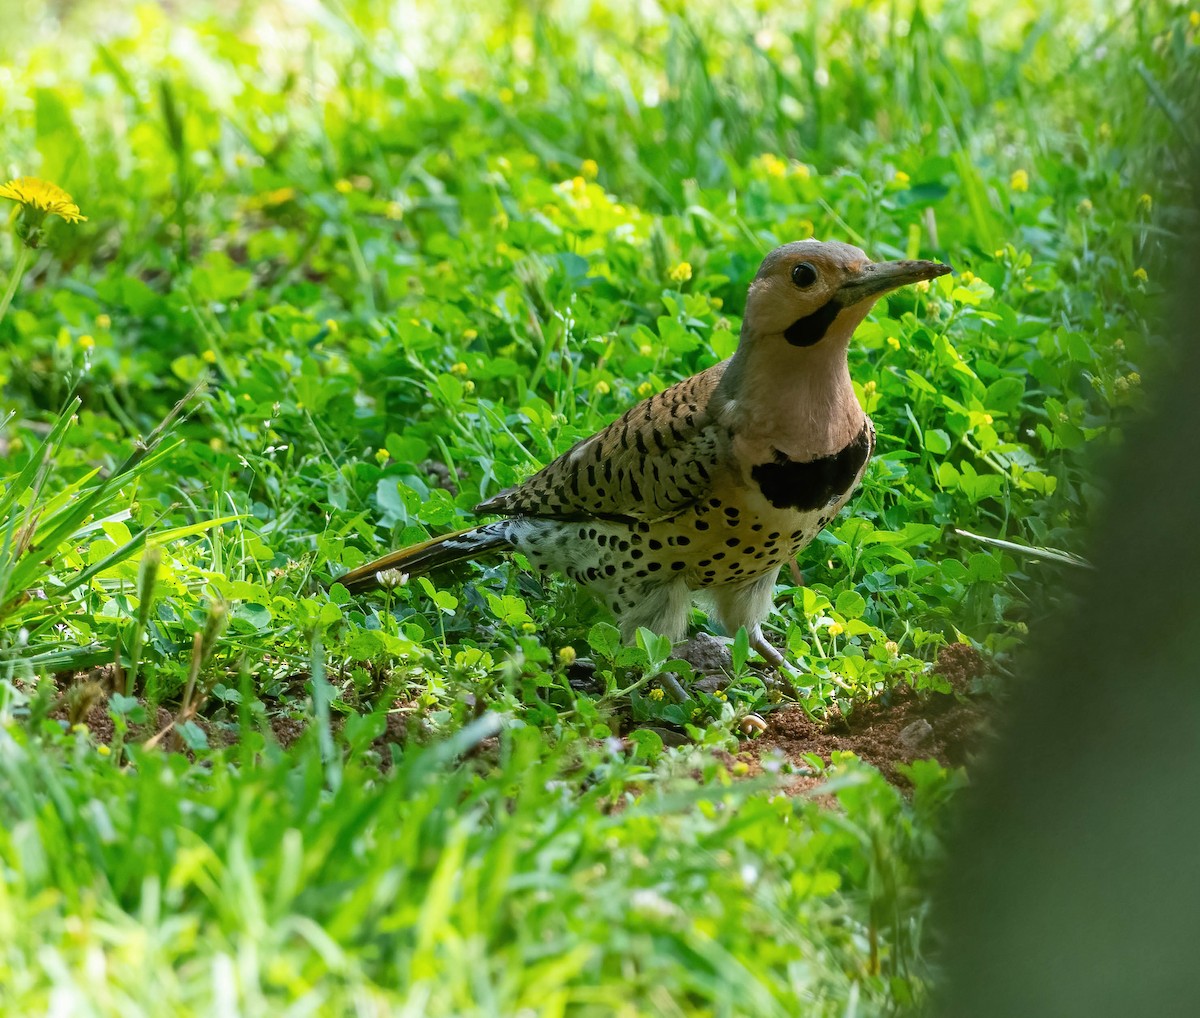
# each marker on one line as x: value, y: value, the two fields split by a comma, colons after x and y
x: 705, y: 489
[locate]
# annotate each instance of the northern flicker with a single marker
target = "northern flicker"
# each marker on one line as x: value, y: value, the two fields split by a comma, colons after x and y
x: 708, y: 487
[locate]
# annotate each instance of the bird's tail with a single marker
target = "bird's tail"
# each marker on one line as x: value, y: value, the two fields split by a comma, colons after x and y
x: 428, y: 555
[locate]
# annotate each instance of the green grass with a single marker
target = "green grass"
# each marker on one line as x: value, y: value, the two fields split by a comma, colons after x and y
x: 462, y: 239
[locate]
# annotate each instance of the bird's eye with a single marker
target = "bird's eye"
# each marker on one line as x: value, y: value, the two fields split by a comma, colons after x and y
x: 804, y: 274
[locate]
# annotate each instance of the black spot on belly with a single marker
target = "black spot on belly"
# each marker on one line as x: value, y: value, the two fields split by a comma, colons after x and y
x: 815, y: 483
x: 811, y: 329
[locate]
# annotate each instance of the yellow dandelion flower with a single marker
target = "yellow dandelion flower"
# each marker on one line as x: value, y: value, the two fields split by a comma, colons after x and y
x: 42, y: 197
x: 343, y: 186
x: 1145, y: 203
x: 774, y: 166
x: 1019, y: 181
x: 590, y: 169
x: 681, y: 273
x: 603, y: 388
x: 1140, y: 274
x: 86, y: 341
x: 279, y: 196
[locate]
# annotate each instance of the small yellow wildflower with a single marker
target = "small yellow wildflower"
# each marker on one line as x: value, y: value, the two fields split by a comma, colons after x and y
x: 566, y: 655
x: 394, y: 210
x: 1145, y: 203
x: 806, y: 228
x: 1121, y: 385
x: 44, y: 197
x: 645, y: 389
x: 103, y: 322
x: 719, y: 694
x: 893, y: 342
x: 209, y: 357
x: 869, y: 387
x: 923, y: 285
x: 716, y: 302
x: 245, y: 397
x: 468, y: 386
x: 104, y: 750
x: 901, y: 178
x: 1194, y: 19
x: 279, y: 196
x: 1084, y: 208
x: 80, y: 728
x: 1140, y: 274
x: 343, y: 186
x: 86, y: 341
x: 1118, y: 344
x: 655, y: 694
x: 966, y: 276
x: 39, y: 199
x: 801, y: 170
x: 646, y: 350
x: 681, y: 273
x: 528, y: 627
x: 987, y: 419
x: 331, y: 325
x: 459, y: 369
x: 603, y: 388
x: 470, y: 334
x: 502, y: 248
x: 590, y: 169
x: 892, y: 647
x: 998, y: 253
x: 382, y: 456
x: 506, y: 95
x: 775, y: 166
x: 836, y: 629
x: 1134, y: 379
x: 1019, y: 181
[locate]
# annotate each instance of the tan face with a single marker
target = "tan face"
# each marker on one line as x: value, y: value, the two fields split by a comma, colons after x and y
x: 811, y: 290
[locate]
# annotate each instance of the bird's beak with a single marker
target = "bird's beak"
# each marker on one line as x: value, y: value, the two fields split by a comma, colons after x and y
x: 877, y: 278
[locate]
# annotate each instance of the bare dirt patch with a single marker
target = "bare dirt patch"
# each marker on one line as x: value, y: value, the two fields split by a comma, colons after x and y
x: 895, y: 729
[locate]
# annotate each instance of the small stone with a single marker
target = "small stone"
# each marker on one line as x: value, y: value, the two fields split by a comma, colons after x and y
x: 916, y: 734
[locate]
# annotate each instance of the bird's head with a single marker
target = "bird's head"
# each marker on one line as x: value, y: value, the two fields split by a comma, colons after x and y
x: 814, y: 293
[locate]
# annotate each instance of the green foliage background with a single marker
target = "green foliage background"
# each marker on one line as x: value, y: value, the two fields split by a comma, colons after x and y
x: 398, y: 238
